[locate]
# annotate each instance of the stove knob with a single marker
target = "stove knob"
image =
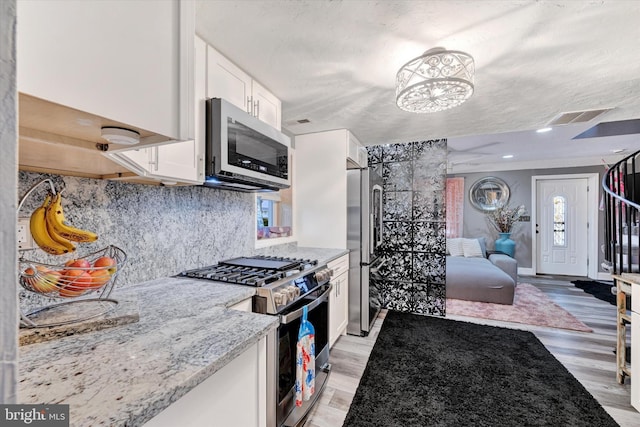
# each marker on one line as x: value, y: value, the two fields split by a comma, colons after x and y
x: 280, y: 298
x: 294, y: 291
x: 324, y: 275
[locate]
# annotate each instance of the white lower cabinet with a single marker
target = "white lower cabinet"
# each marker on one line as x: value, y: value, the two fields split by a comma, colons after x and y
x: 233, y: 396
x: 244, y: 305
x: 339, y: 298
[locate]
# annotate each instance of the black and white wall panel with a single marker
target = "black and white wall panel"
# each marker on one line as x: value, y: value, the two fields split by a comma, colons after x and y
x: 414, y: 177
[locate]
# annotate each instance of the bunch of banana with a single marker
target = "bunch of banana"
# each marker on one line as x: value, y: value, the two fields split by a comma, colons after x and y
x: 55, y: 218
x: 51, y: 233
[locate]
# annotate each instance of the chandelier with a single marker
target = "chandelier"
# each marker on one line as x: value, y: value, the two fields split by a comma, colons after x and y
x: 437, y: 80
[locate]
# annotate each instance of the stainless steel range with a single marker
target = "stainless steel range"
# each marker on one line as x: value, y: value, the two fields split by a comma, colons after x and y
x: 284, y: 287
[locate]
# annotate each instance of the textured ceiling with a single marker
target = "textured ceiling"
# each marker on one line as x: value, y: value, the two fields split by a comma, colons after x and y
x: 334, y: 63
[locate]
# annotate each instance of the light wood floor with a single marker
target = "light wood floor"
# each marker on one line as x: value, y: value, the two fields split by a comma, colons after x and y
x: 588, y: 356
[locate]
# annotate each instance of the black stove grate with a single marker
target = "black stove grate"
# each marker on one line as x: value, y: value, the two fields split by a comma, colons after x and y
x: 252, y: 271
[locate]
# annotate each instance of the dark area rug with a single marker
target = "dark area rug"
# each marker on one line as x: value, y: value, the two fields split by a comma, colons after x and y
x: 429, y: 371
x: 600, y: 290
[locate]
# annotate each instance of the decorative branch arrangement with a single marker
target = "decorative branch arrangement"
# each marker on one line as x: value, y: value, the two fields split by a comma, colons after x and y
x: 503, y: 218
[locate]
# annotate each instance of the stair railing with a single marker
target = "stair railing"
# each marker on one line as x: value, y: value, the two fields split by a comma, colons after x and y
x: 622, y: 214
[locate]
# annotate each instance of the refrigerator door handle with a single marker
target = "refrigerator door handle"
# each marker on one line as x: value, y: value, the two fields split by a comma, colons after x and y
x: 372, y: 243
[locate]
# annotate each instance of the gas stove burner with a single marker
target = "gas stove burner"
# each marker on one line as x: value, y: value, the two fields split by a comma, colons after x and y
x: 271, y: 262
x: 252, y: 271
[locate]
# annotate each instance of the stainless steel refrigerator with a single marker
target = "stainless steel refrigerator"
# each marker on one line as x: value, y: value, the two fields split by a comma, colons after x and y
x: 364, y: 239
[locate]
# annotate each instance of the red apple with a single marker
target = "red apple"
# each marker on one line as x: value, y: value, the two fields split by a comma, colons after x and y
x: 74, y: 283
x: 99, y: 278
x: 78, y: 263
x: 106, y: 261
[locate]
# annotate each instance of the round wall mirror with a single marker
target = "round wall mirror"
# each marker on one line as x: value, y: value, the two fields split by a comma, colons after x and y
x: 488, y: 193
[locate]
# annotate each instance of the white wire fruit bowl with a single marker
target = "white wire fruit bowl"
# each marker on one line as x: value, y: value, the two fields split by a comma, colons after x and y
x: 77, y: 291
x: 91, y: 274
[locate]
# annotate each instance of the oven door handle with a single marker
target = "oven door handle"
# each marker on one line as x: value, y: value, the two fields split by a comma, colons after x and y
x: 288, y: 318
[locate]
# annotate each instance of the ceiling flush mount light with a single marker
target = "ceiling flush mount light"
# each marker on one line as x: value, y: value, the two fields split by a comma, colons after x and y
x: 438, y: 80
x: 122, y: 136
x: 543, y: 130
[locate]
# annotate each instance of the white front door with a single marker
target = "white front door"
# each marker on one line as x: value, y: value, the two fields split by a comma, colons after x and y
x: 562, y: 226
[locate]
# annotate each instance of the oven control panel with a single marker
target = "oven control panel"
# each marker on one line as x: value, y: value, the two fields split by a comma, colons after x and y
x: 279, y: 295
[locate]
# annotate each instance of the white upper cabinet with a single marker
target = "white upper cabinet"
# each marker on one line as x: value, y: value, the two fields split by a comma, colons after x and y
x: 321, y: 185
x: 227, y: 81
x: 119, y: 60
x: 356, y: 153
x: 170, y: 163
x: 176, y: 161
x: 266, y: 106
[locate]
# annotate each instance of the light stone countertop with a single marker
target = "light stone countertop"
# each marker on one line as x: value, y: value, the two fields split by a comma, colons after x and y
x: 125, y: 375
x: 323, y: 255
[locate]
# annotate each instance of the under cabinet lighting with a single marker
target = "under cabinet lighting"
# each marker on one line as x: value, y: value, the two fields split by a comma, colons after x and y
x: 122, y: 136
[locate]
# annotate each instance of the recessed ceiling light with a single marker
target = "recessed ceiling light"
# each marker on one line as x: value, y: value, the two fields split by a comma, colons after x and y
x: 507, y: 156
x: 116, y: 135
x: 543, y: 130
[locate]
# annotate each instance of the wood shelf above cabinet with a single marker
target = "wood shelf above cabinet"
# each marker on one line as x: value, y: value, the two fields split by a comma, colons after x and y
x: 62, y: 140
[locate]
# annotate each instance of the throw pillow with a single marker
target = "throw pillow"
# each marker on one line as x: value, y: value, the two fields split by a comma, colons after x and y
x: 471, y: 248
x: 483, y: 246
x: 454, y: 247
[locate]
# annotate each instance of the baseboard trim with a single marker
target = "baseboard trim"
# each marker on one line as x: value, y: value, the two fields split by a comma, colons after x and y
x: 603, y: 275
x: 525, y: 271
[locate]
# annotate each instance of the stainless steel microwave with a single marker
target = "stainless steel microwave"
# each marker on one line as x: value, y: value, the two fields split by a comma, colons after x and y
x: 242, y: 152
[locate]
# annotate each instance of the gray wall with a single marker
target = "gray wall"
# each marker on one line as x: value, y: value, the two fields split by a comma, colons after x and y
x: 414, y: 225
x: 519, y: 182
x: 8, y: 162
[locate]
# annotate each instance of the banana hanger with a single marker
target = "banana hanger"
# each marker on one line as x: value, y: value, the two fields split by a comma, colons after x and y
x: 83, y: 296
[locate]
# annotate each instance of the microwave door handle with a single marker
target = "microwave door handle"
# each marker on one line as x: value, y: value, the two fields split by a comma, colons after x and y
x: 288, y: 318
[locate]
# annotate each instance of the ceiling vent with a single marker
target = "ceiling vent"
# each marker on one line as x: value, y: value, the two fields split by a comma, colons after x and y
x: 577, y: 117
x: 297, y: 122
